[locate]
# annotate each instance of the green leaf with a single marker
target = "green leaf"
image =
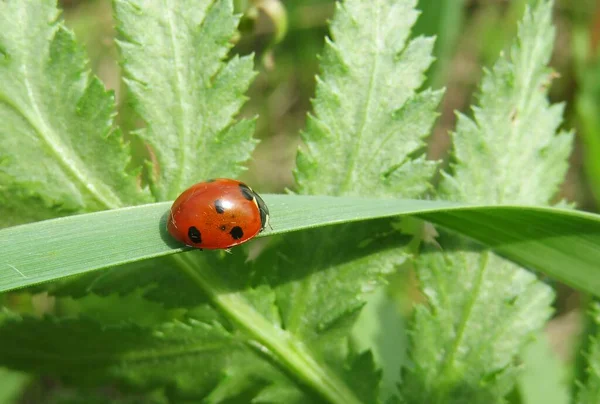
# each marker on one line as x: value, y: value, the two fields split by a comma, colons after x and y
x: 561, y: 243
x: 508, y: 152
x: 367, y: 128
x: 542, y: 367
x: 284, y: 306
x: 114, y: 309
x: 319, y: 295
x: 482, y: 309
x: 193, y: 358
x: 381, y: 330
x: 172, y: 57
x: 58, y: 149
x: 368, y: 117
x: 254, y: 309
x: 18, y: 206
x: 11, y: 385
x: 368, y: 124
x: 589, y: 389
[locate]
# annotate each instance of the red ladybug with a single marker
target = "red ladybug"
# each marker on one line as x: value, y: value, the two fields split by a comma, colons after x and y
x: 219, y: 213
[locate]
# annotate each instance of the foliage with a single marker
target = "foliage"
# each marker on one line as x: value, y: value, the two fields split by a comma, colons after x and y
x: 72, y: 160
x: 273, y: 322
x: 589, y: 388
x: 462, y: 339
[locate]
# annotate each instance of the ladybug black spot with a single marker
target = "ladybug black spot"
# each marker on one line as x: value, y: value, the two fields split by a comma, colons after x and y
x: 237, y: 233
x: 223, y: 227
x: 219, y: 206
x: 194, y: 235
x: 247, y: 192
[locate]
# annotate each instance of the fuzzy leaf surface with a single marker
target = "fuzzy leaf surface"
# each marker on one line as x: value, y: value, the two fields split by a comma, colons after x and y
x: 368, y: 117
x: 58, y: 148
x: 482, y: 309
x: 173, y: 57
x: 510, y: 152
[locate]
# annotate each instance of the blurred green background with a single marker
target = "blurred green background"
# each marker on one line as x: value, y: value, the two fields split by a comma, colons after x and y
x: 286, y: 38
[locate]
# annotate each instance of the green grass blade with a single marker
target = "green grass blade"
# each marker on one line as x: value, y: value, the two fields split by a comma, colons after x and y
x: 561, y: 243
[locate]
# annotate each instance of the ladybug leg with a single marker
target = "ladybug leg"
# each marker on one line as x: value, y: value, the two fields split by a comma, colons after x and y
x: 172, y: 218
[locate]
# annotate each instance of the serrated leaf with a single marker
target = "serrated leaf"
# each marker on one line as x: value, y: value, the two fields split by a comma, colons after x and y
x: 368, y: 122
x: 114, y: 309
x: 589, y: 389
x: 173, y: 53
x: 508, y: 152
x: 190, y: 358
x: 292, y: 299
x: 286, y: 307
x: 236, y: 302
x: 482, y: 309
x: 319, y: 295
x: 368, y: 117
x: 58, y: 145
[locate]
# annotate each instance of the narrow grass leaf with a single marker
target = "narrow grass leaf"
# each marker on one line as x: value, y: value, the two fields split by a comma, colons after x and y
x: 561, y: 243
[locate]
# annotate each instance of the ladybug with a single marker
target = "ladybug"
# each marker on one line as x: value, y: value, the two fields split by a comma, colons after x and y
x: 217, y: 214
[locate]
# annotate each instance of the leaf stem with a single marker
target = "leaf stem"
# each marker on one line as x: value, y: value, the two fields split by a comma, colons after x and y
x: 285, y: 347
x: 183, y: 124
x: 446, y: 367
x: 349, y: 180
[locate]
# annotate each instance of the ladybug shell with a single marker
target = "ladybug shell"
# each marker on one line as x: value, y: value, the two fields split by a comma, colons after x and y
x: 217, y: 214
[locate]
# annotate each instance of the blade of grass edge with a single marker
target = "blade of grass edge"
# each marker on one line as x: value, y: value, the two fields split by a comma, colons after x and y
x: 563, y: 244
